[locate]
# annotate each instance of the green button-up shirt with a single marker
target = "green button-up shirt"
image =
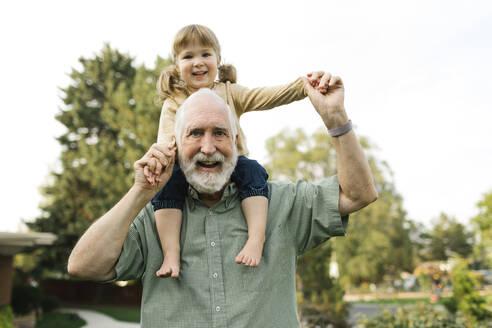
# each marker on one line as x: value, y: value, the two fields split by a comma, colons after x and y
x: 213, y: 290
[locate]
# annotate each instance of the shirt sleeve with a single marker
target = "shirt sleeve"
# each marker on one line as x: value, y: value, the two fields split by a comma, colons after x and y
x: 246, y: 100
x: 166, y: 121
x: 131, y: 263
x: 313, y: 215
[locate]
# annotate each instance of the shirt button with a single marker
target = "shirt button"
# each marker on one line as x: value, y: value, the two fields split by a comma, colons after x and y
x: 212, y: 244
x: 217, y: 308
x: 215, y: 275
x: 210, y: 212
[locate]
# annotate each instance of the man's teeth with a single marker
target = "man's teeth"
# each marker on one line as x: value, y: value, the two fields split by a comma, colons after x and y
x: 208, y: 163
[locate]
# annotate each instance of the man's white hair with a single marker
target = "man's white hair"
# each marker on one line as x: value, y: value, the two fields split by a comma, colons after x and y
x: 179, y: 123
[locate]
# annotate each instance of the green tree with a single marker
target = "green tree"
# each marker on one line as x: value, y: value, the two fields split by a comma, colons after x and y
x: 111, y: 116
x: 483, y: 229
x: 446, y: 238
x: 293, y: 156
x: 322, y: 296
x: 378, y: 241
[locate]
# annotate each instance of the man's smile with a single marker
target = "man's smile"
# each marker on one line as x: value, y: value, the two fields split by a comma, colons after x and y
x: 208, y: 165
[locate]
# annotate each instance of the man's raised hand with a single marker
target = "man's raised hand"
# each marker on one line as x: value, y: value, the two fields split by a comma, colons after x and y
x: 326, y: 93
x: 155, y: 168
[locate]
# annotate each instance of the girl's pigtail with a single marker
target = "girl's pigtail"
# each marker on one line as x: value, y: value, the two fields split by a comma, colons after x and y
x: 227, y: 72
x: 169, y: 83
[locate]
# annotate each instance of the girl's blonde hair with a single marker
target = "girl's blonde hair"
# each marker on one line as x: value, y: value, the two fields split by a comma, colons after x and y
x: 170, y: 83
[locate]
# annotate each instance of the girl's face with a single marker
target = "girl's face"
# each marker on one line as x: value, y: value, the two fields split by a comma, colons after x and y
x: 197, y: 66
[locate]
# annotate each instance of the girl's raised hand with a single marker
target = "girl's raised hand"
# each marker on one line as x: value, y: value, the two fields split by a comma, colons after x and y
x: 149, y: 175
x: 153, y: 170
x: 319, y: 80
x: 157, y: 159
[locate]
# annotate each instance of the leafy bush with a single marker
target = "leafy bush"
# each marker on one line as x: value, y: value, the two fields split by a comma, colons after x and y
x: 25, y: 299
x: 420, y: 316
x: 57, y: 319
x: 6, y: 317
x: 49, y: 303
x: 451, y: 304
x: 468, y: 301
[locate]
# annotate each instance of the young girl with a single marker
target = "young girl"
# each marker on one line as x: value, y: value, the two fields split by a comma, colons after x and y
x: 196, y: 55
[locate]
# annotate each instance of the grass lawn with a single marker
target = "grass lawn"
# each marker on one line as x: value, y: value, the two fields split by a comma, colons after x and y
x: 121, y: 313
x: 58, y: 319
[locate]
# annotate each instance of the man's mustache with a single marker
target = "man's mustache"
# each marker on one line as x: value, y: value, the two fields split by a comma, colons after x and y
x: 215, y: 157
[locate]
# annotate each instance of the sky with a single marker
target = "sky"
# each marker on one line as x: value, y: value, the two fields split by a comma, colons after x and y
x: 416, y: 73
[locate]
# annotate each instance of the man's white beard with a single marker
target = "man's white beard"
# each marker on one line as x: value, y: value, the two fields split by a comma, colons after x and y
x: 208, y: 182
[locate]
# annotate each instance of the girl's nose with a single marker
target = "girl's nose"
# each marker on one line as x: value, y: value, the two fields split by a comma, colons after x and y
x: 198, y: 62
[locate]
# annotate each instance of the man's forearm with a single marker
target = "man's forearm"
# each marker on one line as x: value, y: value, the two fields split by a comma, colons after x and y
x: 354, y: 174
x: 95, y: 254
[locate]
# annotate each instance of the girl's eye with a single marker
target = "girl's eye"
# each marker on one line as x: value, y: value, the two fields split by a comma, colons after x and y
x: 188, y: 57
x: 207, y: 54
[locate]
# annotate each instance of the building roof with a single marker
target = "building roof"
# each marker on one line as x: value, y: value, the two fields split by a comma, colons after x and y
x: 15, y: 242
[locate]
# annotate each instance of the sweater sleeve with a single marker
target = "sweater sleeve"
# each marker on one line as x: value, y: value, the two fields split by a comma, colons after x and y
x: 246, y: 100
x: 166, y: 122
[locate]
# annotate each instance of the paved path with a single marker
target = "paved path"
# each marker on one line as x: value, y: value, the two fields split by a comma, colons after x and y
x: 99, y: 320
x: 368, y: 310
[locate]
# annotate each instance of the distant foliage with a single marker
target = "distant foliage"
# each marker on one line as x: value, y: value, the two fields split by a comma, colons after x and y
x: 322, y: 295
x: 466, y: 296
x: 25, y: 299
x: 378, y: 242
x: 111, y: 117
x: 6, y: 317
x: 293, y: 156
x: 421, y: 316
x: 49, y: 303
x: 446, y: 238
x: 483, y: 229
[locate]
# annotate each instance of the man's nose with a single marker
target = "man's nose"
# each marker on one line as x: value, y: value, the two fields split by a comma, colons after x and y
x: 208, y: 144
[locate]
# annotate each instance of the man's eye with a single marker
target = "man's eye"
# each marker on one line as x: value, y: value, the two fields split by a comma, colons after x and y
x: 220, y: 133
x: 195, y: 133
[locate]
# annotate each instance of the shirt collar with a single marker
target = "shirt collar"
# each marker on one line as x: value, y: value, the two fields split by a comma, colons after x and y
x: 229, y: 195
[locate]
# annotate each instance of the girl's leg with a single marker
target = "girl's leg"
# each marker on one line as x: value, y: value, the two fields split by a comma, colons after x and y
x: 251, y: 179
x: 168, y: 223
x: 168, y: 205
x: 255, y: 209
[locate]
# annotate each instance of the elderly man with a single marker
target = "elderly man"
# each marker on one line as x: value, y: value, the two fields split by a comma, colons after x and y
x: 213, y: 290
